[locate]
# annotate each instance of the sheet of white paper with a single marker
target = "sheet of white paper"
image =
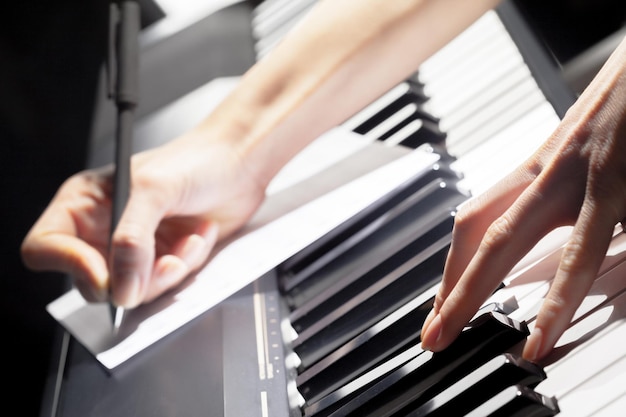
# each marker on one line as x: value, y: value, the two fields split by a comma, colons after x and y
x: 236, y: 264
x: 179, y: 14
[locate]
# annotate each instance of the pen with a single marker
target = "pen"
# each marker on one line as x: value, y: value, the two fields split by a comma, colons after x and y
x: 123, y: 68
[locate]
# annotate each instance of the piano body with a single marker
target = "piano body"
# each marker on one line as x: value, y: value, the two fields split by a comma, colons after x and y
x: 334, y: 330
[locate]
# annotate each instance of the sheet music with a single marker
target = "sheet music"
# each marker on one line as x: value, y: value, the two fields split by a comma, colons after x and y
x: 265, y: 243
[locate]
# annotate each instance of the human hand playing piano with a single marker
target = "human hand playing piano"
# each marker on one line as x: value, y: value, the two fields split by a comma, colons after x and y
x: 578, y: 177
x: 185, y: 195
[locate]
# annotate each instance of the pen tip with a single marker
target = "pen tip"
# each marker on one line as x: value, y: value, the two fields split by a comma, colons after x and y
x: 118, y: 317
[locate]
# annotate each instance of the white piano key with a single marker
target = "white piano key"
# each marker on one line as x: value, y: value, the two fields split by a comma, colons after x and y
x: 490, y: 119
x: 457, y: 106
x: 605, y: 287
x: 482, y: 114
x: 269, y: 7
x: 479, y: 63
x: 530, y: 140
x: 479, y: 93
x: 464, y: 86
x: 589, y: 347
x: 477, y: 60
x: 472, y: 161
x: 460, y: 47
x: 530, y: 284
x: 603, y: 395
x: 263, y: 6
x: 445, y: 102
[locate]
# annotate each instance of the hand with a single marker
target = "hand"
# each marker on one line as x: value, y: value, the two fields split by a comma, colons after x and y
x: 184, y: 197
x: 578, y: 177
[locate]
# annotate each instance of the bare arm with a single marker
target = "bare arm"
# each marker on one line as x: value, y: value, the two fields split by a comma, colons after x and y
x: 206, y: 184
x: 346, y: 54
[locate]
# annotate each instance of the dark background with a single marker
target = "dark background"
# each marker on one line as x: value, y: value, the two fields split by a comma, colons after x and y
x: 50, y: 60
x: 50, y: 55
x: 568, y: 27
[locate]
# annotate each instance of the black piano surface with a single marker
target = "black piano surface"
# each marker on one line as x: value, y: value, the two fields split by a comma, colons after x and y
x: 200, y: 369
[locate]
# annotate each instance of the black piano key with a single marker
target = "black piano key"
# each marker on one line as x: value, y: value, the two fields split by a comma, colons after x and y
x: 431, y: 130
x: 337, y: 398
x: 423, y: 377
x: 413, y: 94
x: 393, y: 334
x: 517, y: 401
x: 349, y: 285
x: 480, y: 386
x: 395, y: 229
x: 506, y: 307
x: 370, y: 306
x: 427, y: 133
x: 294, y: 270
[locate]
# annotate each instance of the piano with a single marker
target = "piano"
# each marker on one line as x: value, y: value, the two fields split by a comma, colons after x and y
x: 334, y: 330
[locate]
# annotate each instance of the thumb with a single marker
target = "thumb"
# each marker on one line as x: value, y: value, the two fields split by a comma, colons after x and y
x: 132, y: 252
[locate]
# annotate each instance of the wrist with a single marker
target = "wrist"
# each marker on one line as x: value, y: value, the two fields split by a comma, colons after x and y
x: 263, y: 121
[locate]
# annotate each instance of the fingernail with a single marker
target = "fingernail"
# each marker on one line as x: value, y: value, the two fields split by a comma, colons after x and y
x: 429, y: 318
x: 532, y: 349
x: 211, y: 234
x: 171, y: 269
x: 129, y: 286
x: 89, y: 292
x: 194, y: 250
x: 92, y: 278
x: 432, y: 334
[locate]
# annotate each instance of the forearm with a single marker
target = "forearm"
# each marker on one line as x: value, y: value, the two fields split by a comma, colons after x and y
x: 346, y: 54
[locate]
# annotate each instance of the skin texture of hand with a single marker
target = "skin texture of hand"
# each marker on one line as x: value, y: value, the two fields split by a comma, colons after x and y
x: 578, y: 177
x: 184, y: 196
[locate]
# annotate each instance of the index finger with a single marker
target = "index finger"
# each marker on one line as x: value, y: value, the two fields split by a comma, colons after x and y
x: 471, y: 223
x: 65, y: 238
x: 70, y: 255
x: 132, y: 252
x: 505, y: 242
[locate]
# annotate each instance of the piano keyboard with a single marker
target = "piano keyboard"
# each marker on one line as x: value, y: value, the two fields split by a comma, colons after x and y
x: 355, y: 301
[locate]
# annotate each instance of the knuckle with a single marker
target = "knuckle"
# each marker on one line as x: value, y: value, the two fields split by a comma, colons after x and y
x: 498, y: 234
x: 127, y: 237
x: 463, y: 217
x: 570, y: 258
x: 464, y: 221
x: 439, y: 300
x: 552, y: 307
x: 129, y: 245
